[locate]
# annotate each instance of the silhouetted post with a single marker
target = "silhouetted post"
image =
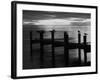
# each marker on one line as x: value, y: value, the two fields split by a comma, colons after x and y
x: 53, y: 50
x: 31, y: 55
x: 85, y: 55
x: 41, y: 48
x: 79, y: 49
x: 66, y: 51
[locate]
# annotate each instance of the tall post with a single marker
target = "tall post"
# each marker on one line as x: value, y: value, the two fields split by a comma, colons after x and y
x: 41, y: 49
x: 31, y: 55
x: 79, y: 49
x: 66, y: 51
x: 85, y: 54
x: 53, y: 48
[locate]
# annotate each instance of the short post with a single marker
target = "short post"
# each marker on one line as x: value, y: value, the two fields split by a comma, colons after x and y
x: 85, y: 41
x: 66, y: 51
x: 53, y: 48
x: 79, y: 49
x: 41, y: 49
x: 31, y: 55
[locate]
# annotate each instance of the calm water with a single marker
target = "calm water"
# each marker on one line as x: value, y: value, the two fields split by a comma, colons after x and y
x: 59, y: 51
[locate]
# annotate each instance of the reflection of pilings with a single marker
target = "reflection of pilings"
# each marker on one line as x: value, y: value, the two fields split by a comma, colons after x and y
x: 53, y: 50
x: 85, y: 54
x: 31, y: 55
x: 41, y: 49
x: 66, y: 51
x: 79, y: 50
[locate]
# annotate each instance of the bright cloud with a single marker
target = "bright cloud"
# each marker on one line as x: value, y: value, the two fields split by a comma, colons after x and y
x: 53, y: 22
x: 76, y: 19
x: 58, y: 22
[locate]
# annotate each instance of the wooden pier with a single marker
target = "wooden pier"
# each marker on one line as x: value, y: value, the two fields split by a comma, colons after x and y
x: 56, y: 43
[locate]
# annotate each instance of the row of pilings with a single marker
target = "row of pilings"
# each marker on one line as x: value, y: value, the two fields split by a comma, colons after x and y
x: 66, y: 45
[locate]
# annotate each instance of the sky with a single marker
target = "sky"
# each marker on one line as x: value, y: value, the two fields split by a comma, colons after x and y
x: 57, y: 19
x: 63, y: 21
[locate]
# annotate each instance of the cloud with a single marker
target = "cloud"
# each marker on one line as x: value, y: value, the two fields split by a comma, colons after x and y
x: 72, y: 21
x: 29, y: 22
x: 76, y: 19
x: 85, y: 22
x: 50, y: 16
x: 53, y: 22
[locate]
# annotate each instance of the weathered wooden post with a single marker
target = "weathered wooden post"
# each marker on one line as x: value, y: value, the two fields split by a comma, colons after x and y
x: 79, y: 45
x: 66, y: 51
x: 41, y: 48
x: 31, y: 55
x: 85, y: 41
x: 53, y: 48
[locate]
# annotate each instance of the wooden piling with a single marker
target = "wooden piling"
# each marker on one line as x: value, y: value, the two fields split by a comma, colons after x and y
x: 79, y: 49
x: 85, y: 54
x: 66, y: 51
x: 53, y: 48
x: 31, y: 55
x: 41, y: 48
